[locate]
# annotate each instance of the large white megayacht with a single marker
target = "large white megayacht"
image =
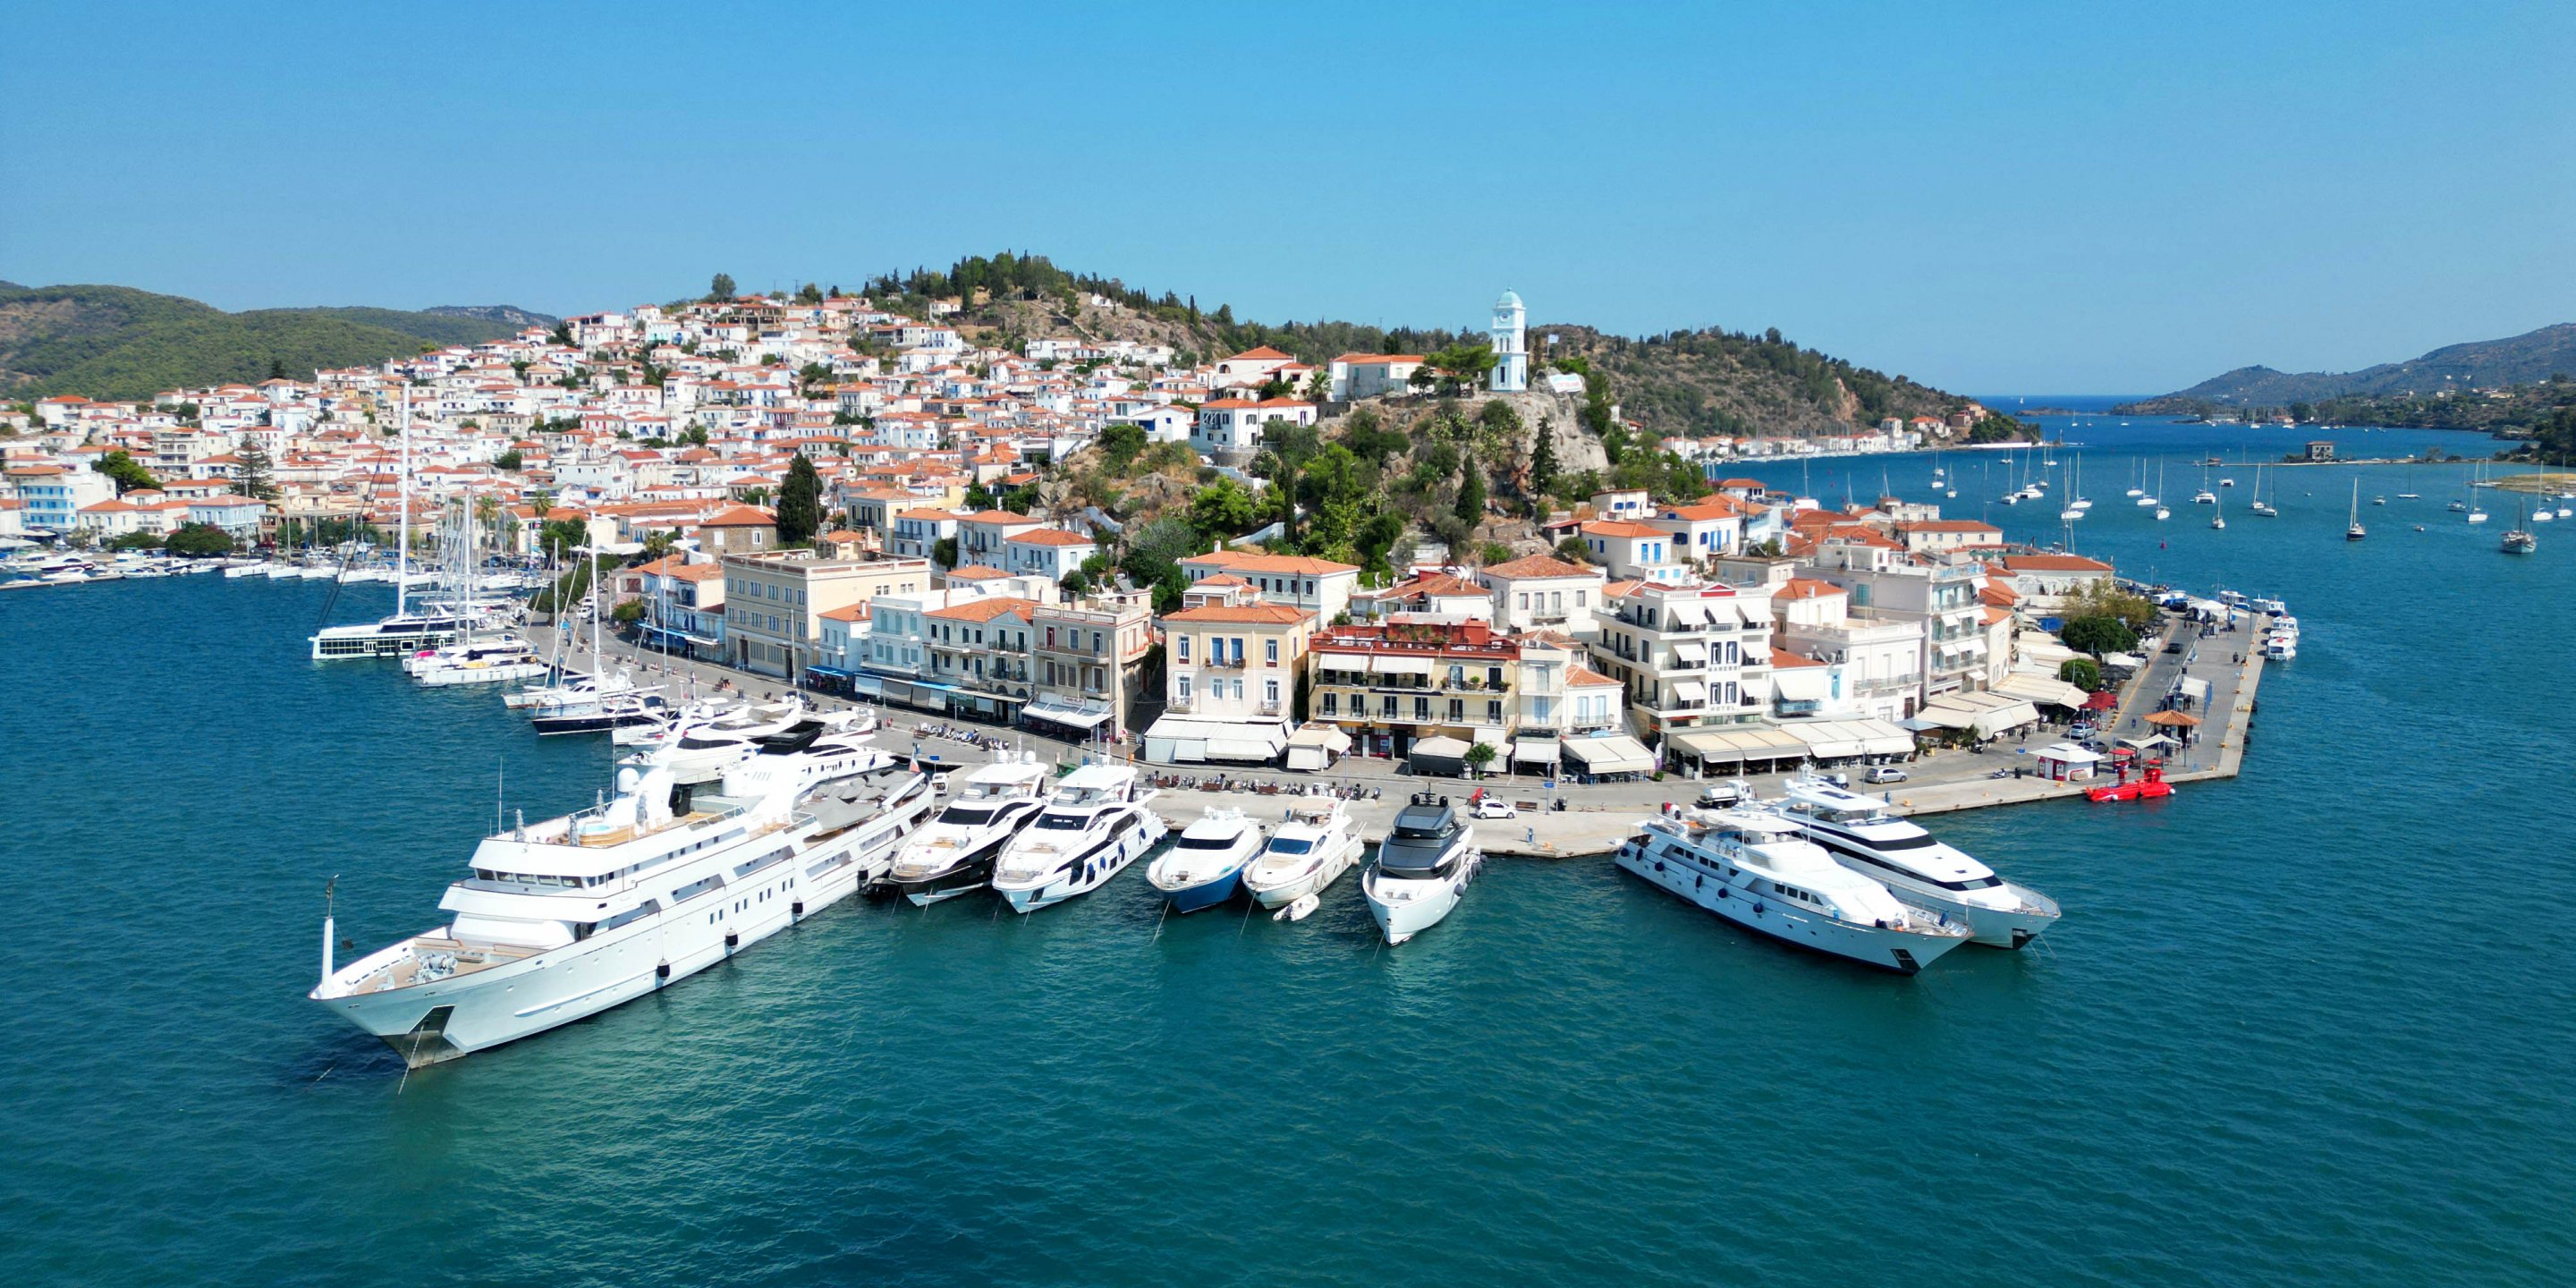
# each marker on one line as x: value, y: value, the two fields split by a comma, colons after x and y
x: 1422, y: 867
x: 1899, y: 854
x: 569, y: 917
x: 1751, y: 867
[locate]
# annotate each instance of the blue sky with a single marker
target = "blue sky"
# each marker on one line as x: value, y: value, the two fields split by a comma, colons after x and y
x: 2035, y: 198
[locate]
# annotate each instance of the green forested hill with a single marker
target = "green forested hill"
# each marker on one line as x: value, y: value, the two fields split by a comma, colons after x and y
x: 118, y: 342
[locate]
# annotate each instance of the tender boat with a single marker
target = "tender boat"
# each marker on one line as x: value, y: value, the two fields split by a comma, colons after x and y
x: 1752, y: 867
x: 955, y: 853
x: 569, y: 917
x: 1089, y: 831
x: 1422, y: 868
x: 1205, y: 865
x: 1899, y: 854
x: 1315, y: 845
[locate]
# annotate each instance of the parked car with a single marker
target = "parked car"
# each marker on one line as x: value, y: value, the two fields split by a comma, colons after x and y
x: 1887, y: 774
x: 1837, y: 778
x: 1493, y: 807
x: 1720, y: 796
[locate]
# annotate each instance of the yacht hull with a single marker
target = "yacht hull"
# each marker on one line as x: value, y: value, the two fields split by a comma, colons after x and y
x: 1314, y: 880
x: 1893, y: 950
x: 1206, y: 894
x: 964, y: 878
x: 1403, y: 909
x: 1092, y: 871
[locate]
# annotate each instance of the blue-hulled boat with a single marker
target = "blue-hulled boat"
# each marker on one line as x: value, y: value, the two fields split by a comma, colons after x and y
x: 1205, y: 864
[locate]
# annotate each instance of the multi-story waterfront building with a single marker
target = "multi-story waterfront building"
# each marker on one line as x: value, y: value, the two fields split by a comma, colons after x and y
x: 1088, y: 662
x: 1391, y: 686
x: 1231, y: 665
x: 1689, y: 656
x: 774, y: 603
x: 1887, y: 584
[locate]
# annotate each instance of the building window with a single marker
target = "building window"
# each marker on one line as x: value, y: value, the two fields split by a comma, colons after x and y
x: 1184, y: 641
x: 1386, y: 706
x: 1184, y: 688
x: 1270, y: 691
x: 1270, y: 652
x: 1332, y: 703
x: 1494, y: 713
x: 1422, y: 708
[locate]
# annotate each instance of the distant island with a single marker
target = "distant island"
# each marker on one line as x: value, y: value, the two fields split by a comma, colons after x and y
x: 2533, y: 358
x: 118, y: 342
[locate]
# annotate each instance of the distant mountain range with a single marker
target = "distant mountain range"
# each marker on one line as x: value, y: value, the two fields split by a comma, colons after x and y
x: 115, y: 342
x: 2520, y: 360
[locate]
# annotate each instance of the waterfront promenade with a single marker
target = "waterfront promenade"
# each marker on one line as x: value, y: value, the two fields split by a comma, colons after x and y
x: 1597, y: 816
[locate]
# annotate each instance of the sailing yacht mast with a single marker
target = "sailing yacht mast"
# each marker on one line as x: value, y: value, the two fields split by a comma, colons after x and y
x: 402, y: 557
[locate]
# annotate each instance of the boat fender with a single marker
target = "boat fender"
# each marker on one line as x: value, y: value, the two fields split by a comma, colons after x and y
x: 1722, y: 892
x: 662, y: 971
x: 797, y: 908
x: 1758, y: 910
x: 733, y: 939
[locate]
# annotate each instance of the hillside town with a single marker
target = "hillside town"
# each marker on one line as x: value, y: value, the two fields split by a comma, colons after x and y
x: 947, y: 570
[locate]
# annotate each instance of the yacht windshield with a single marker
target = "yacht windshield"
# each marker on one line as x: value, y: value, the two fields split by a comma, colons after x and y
x: 1290, y: 845
x: 1053, y: 822
x: 963, y: 817
x: 1189, y: 842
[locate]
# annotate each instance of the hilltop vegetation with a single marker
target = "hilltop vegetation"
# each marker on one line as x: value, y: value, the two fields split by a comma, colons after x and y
x: 112, y: 342
x: 1690, y: 383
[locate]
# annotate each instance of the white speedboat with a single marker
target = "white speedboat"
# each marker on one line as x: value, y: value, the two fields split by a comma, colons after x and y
x: 1422, y: 868
x: 1205, y: 865
x: 955, y: 853
x: 1898, y: 854
x: 1752, y: 868
x: 1089, y: 831
x: 569, y: 917
x: 1316, y: 844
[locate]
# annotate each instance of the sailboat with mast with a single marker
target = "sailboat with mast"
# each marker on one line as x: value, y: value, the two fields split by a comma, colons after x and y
x: 436, y: 622
x: 2353, y: 530
x: 2264, y: 509
x: 2520, y: 539
x: 494, y: 659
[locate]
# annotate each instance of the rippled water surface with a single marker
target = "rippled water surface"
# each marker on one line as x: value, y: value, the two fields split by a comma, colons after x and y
x: 2313, y: 1025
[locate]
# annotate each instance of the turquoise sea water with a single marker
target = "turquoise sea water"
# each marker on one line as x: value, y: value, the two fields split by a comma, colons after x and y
x: 2313, y: 1025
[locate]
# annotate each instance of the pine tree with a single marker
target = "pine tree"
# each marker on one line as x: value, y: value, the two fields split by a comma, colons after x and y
x: 1543, y: 466
x: 720, y: 287
x: 251, y: 478
x: 800, y: 503
x: 1471, y: 495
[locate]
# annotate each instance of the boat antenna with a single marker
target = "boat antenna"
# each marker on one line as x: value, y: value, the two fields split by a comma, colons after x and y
x: 500, y: 784
x: 329, y: 889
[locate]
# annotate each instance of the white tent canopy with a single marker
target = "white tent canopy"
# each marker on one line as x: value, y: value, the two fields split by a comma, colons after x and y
x: 1801, y: 684
x: 1985, y: 713
x: 1616, y: 754
x: 1736, y: 745
x: 1179, y: 740
x: 2045, y: 690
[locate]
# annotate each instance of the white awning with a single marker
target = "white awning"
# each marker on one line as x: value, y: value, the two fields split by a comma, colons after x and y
x: 1801, y: 683
x: 1067, y: 712
x: 1388, y: 664
x: 2125, y: 661
x: 1685, y: 612
x: 1541, y: 751
x: 2067, y: 753
x: 2041, y: 689
x: 2193, y: 687
x: 1691, y: 651
x: 2014, y: 715
x: 1324, y: 737
x: 1828, y: 739
x: 1307, y: 759
x: 1179, y: 738
x: 1690, y: 691
x: 1616, y: 754
x: 1883, y: 738
x: 2045, y: 651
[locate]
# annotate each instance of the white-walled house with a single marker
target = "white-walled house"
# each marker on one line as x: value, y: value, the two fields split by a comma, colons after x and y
x: 1237, y: 424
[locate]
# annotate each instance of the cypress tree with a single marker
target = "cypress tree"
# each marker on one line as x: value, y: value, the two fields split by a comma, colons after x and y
x: 800, y: 503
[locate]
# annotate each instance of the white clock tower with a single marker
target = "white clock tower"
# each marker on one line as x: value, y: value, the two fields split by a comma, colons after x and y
x: 1511, y: 345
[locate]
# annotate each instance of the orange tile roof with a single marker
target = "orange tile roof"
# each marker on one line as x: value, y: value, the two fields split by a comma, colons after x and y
x: 983, y: 610
x: 1543, y: 566
x: 1272, y: 614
